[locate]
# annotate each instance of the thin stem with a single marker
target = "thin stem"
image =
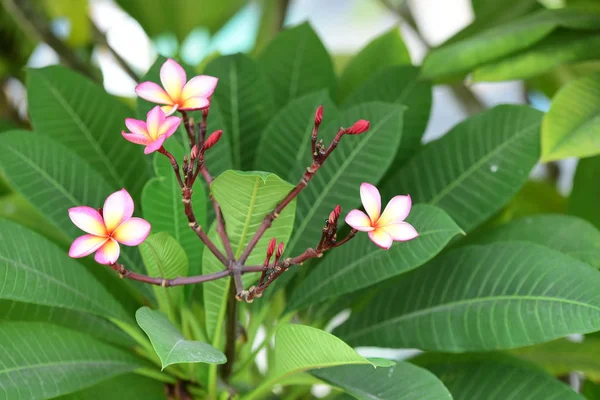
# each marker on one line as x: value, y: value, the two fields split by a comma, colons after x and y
x: 231, y: 333
x: 189, y: 127
x: 174, y: 164
x: 180, y: 281
x: 156, y: 375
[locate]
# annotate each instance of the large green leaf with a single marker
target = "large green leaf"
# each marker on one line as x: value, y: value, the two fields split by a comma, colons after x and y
x: 300, y: 348
x: 357, y: 159
x: 84, y: 322
x: 401, y: 85
x: 361, y: 264
x: 583, y: 202
x: 36, y: 271
x: 495, y: 377
x: 476, y: 168
x: 500, y: 296
x: 245, y: 199
x: 571, y: 128
x: 590, y: 390
x: 42, y: 361
x: 402, y: 381
x: 165, y: 258
x: 13, y: 206
x: 245, y: 102
x: 296, y: 63
x: 569, y: 235
x: 72, y: 110
x: 384, y: 51
x: 169, y: 343
x: 286, y: 140
x: 128, y: 386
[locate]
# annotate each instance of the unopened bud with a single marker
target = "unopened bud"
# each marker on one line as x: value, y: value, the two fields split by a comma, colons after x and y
x: 271, y: 248
x: 359, y: 127
x: 279, y: 250
x: 319, y: 116
x: 194, y: 152
x: 212, y: 139
x: 335, y: 214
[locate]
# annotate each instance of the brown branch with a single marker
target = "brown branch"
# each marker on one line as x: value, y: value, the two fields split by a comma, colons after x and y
x: 174, y: 164
x: 180, y: 281
x: 189, y: 127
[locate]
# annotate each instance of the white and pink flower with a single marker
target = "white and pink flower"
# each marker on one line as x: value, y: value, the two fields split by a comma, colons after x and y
x: 153, y: 132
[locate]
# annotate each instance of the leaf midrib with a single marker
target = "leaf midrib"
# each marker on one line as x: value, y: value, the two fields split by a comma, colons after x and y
x: 240, y: 246
x: 66, y: 363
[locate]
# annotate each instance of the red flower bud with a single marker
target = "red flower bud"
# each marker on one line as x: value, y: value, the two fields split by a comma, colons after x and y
x: 334, y: 215
x: 319, y: 116
x: 360, y: 126
x: 271, y: 248
x: 212, y: 139
x: 279, y: 250
x: 194, y: 152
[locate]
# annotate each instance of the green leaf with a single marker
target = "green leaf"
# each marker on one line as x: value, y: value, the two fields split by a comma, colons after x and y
x: 77, y: 15
x: 500, y: 296
x: 42, y: 361
x: 128, y: 386
x: 361, y: 264
x: 384, y: 51
x: 296, y: 63
x: 36, y: 271
x: 72, y: 110
x: 169, y: 343
x: 400, y: 85
x: 357, y: 159
x: 476, y: 168
x: 586, y: 190
x: 535, y: 197
x: 90, y: 324
x: 15, y: 208
x: 496, y: 377
x: 560, y: 47
x: 165, y: 258
x: 590, y: 390
x: 300, y: 348
x: 569, y: 235
x: 245, y: 102
x: 402, y: 381
x: 245, y: 199
x: 296, y: 119
x: 572, y: 125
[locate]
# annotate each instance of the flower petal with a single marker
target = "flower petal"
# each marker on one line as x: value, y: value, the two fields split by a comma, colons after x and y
x: 109, y: 253
x: 86, y: 245
x: 132, y: 232
x: 88, y: 220
x: 169, y: 126
x: 136, y: 138
x: 381, y: 238
x: 136, y: 126
x: 118, y: 208
x: 173, y: 78
x: 155, y: 145
x: 359, y: 221
x: 154, y: 119
x: 152, y: 92
x: 400, y: 232
x: 168, y: 110
x: 371, y: 200
x: 396, y: 210
x: 195, y: 103
x: 199, y: 86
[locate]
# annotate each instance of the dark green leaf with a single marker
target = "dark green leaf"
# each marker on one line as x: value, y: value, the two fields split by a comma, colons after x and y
x: 14, y: 207
x: 128, y: 386
x: 476, y: 168
x: 583, y: 202
x: 591, y: 390
x: 500, y: 296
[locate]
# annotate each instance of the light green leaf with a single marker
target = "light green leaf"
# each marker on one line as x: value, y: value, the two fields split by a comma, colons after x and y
x: 296, y: 63
x: 169, y: 343
x: 496, y: 377
x: 569, y: 235
x: 128, y: 386
x: 36, y: 271
x: 400, y: 85
x: 500, y: 296
x: 571, y: 128
x: 286, y: 140
x: 72, y: 110
x: 245, y: 199
x: 402, y: 381
x: 361, y: 264
x: 586, y: 190
x: 42, y: 361
x: 357, y: 159
x: 245, y: 102
x: 476, y: 168
x: 384, y: 51
x: 165, y: 258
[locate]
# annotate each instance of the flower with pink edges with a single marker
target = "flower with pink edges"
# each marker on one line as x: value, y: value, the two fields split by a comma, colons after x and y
x: 114, y: 224
x: 383, y: 228
x: 153, y: 132
x: 178, y: 93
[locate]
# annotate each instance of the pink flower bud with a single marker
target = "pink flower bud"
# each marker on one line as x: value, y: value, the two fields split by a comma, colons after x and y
x: 359, y: 127
x: 279, y: 250
x: 212, y: 139
x: 334, y: 215
x: 271, y: 248
x: 319, y: 116
x: 194, y: 152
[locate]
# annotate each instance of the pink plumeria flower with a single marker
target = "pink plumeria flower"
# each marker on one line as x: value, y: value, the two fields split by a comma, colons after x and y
x: 178, y: 94
x: 383, y: 228
x: 105, y: 231
x: 153, y: 132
